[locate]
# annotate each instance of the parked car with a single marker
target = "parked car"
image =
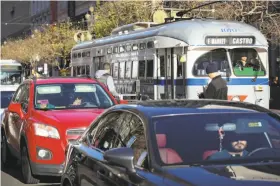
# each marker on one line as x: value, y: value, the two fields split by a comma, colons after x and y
x: 6, y: 93
x: 192, y: 142
x: 43, y: 116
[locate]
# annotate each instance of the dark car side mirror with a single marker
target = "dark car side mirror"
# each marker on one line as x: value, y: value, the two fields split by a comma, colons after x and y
x: 16, y: 108
x: 122, y: 157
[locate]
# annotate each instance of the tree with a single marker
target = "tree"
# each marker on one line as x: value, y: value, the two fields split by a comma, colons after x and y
x: 49, y: 43
x: 117, y: 13
x: 260, y: 14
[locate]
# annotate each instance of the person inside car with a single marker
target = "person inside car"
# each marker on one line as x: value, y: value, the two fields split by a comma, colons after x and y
x: 42, y: 104
x: 236, y: 148
x: 77, y: 101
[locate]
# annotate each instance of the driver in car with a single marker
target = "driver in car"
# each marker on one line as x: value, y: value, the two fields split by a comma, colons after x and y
x: 77, y: 101
x: 236, y: 148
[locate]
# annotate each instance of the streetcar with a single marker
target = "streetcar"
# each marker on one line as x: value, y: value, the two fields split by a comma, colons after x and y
x: 168, y: 61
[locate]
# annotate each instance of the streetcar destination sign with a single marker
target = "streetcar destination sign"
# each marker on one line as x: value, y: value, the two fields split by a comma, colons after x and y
x: 230, y: 40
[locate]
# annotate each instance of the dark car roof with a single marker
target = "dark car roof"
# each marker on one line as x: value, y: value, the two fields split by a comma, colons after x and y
x: 52, y: 80
x: 169, y: 107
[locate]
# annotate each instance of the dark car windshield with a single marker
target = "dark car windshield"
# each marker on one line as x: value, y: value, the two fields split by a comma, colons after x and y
x: 190, y: 139
x: 70, y: 95
x: 6, y: 97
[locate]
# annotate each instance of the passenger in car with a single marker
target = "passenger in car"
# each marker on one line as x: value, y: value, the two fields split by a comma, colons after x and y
x: 44, y: 104
x: 236, y: 148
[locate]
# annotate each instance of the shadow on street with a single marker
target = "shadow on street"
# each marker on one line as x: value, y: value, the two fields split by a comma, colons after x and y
x: 14, y: 171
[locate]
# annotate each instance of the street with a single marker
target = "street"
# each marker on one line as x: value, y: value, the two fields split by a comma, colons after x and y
x: 12, y: 177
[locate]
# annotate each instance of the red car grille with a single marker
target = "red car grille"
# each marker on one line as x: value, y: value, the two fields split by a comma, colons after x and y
x: 73, y: 134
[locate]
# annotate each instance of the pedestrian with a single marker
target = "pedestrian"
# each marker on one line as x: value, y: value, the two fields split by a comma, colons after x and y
x: 104, y: 77
x: 217, y: 88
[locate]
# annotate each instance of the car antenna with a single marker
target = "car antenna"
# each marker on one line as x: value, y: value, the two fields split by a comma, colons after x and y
x: 183, y: 12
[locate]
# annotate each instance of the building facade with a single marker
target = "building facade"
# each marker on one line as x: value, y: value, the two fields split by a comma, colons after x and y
x: 40, y: 13
x: 15, y: 19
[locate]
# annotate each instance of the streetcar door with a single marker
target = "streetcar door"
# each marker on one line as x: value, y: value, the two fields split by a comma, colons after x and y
x: 166, y: 77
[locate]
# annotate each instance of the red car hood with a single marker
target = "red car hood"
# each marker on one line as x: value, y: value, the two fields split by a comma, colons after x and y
x: 70, y: 118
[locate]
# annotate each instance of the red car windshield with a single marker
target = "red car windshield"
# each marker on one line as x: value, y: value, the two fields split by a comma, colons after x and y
x: 71, y: 95
x: 205, y: 137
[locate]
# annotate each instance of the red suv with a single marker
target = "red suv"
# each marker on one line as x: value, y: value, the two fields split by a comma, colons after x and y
x: 44, y: 114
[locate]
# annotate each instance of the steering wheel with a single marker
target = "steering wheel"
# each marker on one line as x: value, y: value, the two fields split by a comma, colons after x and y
x: 259, y: 150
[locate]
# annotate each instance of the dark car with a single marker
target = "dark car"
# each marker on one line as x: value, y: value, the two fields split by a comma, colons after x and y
x: 193, y: 142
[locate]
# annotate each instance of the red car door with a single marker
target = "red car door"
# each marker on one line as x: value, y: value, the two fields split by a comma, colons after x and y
x: 15, y: 120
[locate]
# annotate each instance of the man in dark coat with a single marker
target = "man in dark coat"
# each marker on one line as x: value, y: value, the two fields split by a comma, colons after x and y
x: 217, y: 88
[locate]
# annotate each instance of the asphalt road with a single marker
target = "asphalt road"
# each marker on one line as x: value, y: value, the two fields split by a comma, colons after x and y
x: 12, y: 176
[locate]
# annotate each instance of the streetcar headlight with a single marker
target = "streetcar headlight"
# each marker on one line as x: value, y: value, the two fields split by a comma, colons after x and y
x: 46, y: 131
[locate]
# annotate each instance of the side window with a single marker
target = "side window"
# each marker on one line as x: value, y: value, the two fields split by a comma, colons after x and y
x: 150, y: 68
x: 107, y: 133
x: 18, y: 94
x: 128, y: 69
x: 142, y: 68
x: 74, y: 71
x: 162, y: 66
x: 218, y: 56
x: 24, y: 100
x: 116, y: 70
x: 134, y: 73
x: 133, y: 136
x: 87, y: 70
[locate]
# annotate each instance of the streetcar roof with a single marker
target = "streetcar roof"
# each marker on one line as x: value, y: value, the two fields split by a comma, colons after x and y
x: 192, y: 32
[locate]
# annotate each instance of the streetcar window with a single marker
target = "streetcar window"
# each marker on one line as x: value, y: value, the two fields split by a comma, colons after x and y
x: 116, y: 70
x: 74, y: 71
x: 83, y: 54
x: 128, y: 47
x: 246, y: 62
x: 122, y: 70
x: 83, y: 70
x: 74, y: 55
x: 142, y: 46
x: 134, y: 73
x: 121, y: 49
x: 150, y: 68
x: 88, y: 54
x: 128, y: 69
x: 218, y: 56
x: 79, y: 55
x: 78, y: 70
x: 150, y: 44
x: 115, y: 50
x: 179, y: 67
x: 87, y: 70
x: 109, y: 50
x: 134, y: 47
x: 142, y: 68
x: 162, y: 66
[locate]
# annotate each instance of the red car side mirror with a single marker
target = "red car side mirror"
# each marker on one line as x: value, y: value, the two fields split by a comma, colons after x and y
x: 16, y: 108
